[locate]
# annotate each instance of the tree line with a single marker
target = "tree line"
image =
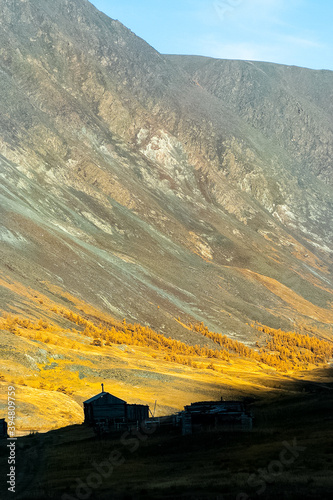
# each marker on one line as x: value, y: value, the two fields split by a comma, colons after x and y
x: 281, y: 350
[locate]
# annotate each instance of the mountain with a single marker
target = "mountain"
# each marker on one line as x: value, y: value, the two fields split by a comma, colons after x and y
x: 161, y: 189
x: 136, y: 180
x: 291, y: 104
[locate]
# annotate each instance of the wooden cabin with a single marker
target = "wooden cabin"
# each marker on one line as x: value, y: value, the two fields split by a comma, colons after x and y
x: 104, y: 407
x: 210, y: 415
x: 3, y: 428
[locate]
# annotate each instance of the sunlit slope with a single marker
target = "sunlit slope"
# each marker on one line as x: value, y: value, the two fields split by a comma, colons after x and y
x: 58, y: 356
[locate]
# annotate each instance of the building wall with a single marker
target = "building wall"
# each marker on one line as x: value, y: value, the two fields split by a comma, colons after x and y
x: 94, y: 411
x: 104, y: 409
x: 137, y: 413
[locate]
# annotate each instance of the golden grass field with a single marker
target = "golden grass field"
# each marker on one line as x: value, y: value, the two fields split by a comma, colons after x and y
x: 54, y: 367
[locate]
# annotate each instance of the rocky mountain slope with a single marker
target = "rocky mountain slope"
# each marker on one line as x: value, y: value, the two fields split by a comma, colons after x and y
x: 156, y: 187
x: 292, y: 104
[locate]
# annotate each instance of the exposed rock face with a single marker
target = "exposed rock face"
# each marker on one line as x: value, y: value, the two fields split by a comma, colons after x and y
x: 293, y: 105
x: 136, y: 180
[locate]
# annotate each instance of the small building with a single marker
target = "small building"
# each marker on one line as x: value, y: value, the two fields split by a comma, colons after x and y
x: 212, y: 415
x: 110, y: 410
x: 3, y: 428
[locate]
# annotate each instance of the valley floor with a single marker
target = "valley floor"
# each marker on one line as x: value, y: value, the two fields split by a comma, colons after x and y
x: 288, y: 455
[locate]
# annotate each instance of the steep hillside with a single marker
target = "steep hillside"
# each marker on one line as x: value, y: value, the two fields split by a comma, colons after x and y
x: 292, y: 104
x: 157, y: 188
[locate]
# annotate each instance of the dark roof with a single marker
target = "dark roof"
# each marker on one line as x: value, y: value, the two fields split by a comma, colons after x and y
x: 215, y: 407
x: 103, y: 394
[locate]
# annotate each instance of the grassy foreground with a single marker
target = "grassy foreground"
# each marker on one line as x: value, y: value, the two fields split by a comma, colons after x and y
x: 288, y: 455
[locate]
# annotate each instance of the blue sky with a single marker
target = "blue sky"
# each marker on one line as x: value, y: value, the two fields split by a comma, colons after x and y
x: 292, y: 32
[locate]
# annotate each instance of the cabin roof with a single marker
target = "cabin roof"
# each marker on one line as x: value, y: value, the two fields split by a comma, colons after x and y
x: 215, y: 407
x: 115, y: 400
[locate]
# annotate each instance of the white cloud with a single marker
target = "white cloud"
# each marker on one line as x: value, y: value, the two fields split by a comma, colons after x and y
x: 251, y: 10
x: 260, y: 30
x: 282, y: 50
x: 244, y: 51
x: 301, y: 42
x: 220, y: 50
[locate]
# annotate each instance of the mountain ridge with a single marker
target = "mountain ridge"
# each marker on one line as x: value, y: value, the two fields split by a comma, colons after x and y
x: 136, y: 188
